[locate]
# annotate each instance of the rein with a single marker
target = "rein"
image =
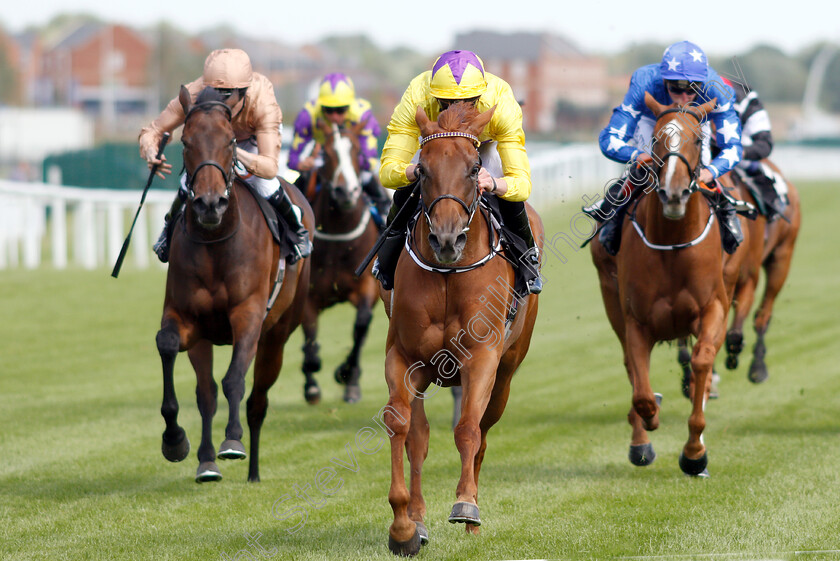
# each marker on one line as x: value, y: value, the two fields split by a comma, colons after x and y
x: 347, y: 236
x: 695, y: 241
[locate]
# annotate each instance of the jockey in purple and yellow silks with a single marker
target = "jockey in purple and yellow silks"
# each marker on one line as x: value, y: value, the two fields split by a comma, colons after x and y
x: 684, y: 77
x: 256, y: 120
x: 337, y: 104
x: 460, y: 76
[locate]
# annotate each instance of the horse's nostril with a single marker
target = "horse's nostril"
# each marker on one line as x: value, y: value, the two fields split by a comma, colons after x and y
x: 461, y: 241
x: 434, y: 242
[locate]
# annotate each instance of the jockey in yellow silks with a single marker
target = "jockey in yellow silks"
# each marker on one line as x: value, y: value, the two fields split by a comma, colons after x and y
x: 506, y: 173
x: 256, y: 120
x: 337, y: 104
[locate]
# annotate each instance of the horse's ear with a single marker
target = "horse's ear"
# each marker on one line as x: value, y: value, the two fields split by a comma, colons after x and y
x: 184, y: 98
x: 655, y: 107
x: 422, y: 120
x: 707, y: 107
x: 477, y: 125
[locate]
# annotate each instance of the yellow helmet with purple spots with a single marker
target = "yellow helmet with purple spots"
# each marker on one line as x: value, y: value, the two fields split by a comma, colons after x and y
x: 458, y: 75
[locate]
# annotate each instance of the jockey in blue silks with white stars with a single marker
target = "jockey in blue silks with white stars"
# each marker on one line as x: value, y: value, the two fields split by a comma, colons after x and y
x: 683, y: 77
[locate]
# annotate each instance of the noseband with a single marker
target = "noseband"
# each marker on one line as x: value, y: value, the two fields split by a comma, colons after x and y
x: 470, y: 209
x: 228, y: 175
x: 692, y: 186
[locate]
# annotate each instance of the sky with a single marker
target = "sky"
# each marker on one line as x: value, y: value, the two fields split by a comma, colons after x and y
x: 596, y: 26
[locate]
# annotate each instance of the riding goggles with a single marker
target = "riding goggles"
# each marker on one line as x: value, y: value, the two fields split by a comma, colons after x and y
x: 679, y: 87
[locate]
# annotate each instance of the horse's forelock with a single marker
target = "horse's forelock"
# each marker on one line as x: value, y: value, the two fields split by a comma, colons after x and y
x: 457, y: 116
x: 209, y: 94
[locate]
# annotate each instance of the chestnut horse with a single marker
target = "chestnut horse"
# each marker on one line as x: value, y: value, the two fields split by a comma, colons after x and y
x: 344, y: 232
x: 224, y: 268
x: 771, y: 247
x: 454, y: 320
x: 668, y: 280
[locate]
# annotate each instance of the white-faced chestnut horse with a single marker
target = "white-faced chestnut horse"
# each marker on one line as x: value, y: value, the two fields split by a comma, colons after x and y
x: 668, y: 280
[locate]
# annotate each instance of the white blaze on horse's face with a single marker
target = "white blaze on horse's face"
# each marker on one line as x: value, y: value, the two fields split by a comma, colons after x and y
x: 344, y: 149
x: 675, y: 191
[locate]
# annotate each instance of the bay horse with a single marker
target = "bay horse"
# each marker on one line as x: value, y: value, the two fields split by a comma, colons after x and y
x: 771, y: 248
x: 454, y: 320
x: 668, y: 280
x: 224, y: 268
x: 344, y: 232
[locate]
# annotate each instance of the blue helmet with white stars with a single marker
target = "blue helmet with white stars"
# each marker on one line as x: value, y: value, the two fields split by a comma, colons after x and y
x: 684, y: 61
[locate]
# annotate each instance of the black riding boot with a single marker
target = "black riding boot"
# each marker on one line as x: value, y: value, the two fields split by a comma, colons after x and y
x: 730, y: 227
x: 161, y: 247
x: 515, y: 217
x: 303, y: 245
x: 775, y: 204
x: 302, y: 181
x: 612, y: 217
x: 389, y: 254
x: 380, y: 200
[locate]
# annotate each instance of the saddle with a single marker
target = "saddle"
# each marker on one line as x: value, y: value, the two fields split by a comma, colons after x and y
x: 765, y: 186
x: 280, y: 231
x: 512, y: 244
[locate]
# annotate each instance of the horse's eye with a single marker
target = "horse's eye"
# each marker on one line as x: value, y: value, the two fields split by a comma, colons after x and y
x: 474, y: 172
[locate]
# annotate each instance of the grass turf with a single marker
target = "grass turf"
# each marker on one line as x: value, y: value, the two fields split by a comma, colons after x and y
x: 83, y: 477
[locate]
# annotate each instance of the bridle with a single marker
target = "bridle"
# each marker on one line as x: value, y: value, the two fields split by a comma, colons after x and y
x: 344, y: 161
x: 471, y: 208
x: 692, y: 187
x: 228, y: 175
x: 693, y: 170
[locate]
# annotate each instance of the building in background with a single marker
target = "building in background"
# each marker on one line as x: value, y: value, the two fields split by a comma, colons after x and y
x: 548, y: 74
x: 101, y: 69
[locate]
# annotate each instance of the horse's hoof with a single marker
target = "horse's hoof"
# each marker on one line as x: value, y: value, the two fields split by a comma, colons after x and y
x: 405, y: 549
x: 178, y: 450
x: 734, y: 343
x: 694, y: 467
x: 423, y: 533
x: 232, y: 450
x: 658, y: 398
x: 353, y: 393
x: 465, y: 512
x: 346, y: 374
x: 702, y: 475
x: 642, y: 455
x: 758, y: 372
x: 731, y: 362
x: 312, y: 394
x: 208, y: 471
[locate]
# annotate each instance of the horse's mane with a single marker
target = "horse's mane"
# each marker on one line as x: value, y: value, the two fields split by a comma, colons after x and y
x: 457, y: 116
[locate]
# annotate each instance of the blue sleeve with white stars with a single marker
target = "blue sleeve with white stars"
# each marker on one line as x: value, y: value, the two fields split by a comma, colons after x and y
x: 726, y: 122
x: 613, y: 139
